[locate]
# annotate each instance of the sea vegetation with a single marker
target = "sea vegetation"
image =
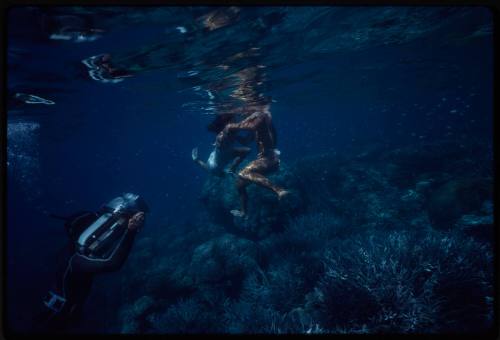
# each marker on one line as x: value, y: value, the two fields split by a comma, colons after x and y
x: 382, y: 240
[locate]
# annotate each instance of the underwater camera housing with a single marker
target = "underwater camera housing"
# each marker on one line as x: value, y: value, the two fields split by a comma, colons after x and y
x: 96, y: 240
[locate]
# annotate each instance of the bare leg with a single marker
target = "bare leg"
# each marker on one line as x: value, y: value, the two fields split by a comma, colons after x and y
x: 202, y: 164
x: 260, y: 180
x: 241, y: 185
x: 194, y: 155
x: 253, y: 172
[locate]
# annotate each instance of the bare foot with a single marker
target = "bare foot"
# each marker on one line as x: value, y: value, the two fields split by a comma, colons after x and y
x: 282, y: 193
x: 237, y: 213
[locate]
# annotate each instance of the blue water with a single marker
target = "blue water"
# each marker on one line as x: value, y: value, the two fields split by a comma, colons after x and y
x: 342, y: 80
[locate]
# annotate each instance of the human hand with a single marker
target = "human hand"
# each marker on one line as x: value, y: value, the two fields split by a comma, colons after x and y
x: 136, y: 221
x: 194, y: 154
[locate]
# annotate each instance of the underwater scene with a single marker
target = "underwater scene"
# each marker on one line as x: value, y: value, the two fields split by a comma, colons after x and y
x: 249, y: 170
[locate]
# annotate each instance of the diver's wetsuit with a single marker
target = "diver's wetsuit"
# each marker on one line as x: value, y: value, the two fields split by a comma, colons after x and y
x: 267, y: 159
x: 74, y: 282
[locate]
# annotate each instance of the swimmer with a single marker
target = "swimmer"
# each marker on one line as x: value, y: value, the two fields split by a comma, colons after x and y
x: 258, y: 120
x: 225, y: 152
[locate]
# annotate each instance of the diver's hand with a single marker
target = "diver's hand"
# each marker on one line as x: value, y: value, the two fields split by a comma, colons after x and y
x: 136, y: 221
x: 194, y: 154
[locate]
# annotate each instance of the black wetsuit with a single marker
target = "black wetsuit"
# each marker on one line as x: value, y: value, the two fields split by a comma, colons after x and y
x: 75, y: 277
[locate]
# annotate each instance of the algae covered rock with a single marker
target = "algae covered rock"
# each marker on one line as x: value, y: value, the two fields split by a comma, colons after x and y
x: 133, y: 315
x: 457, y: 197
x: 226, y: 258
x: 479, y: 226
x: 266, y: 213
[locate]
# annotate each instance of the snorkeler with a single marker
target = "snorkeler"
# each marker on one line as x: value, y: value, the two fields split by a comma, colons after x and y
x: 98, y: 243
x: 258, y: 121
x: 226, y: 151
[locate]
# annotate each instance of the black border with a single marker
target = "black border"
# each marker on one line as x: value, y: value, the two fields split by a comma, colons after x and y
x: 492, y: 5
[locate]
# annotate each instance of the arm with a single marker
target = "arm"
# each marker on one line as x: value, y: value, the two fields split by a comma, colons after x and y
x: 194, y: 155
x: 202, y: 164
x: 250, y: 123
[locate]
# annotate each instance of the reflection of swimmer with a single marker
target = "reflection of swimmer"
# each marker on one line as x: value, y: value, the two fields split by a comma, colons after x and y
x: 220, y: 17
x: 69, y: 27
x: 31, y: 99
x: 76, y: 35
x: 225, y: 152
x: 259, y: 122
x: 100, y: 69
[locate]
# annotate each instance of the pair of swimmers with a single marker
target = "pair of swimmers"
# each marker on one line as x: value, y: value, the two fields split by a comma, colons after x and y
x: 257, y: 120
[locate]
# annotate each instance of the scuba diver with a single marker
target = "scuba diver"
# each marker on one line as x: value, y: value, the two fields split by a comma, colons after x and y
x: 98, y: 243
x: 258, y: 120
x: 226, y: 151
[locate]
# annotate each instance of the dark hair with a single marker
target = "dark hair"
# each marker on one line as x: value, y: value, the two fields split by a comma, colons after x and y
x: 220, y: 121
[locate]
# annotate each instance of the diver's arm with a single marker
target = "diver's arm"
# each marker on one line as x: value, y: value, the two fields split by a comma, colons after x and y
x: 112, y: 263
x: 194, y: 155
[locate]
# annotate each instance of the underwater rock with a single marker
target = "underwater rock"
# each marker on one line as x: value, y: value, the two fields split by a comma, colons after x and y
x: 480, y: 227
x: 372, y: 187
x: 457, y: 197
x: 445, y: 156
x: 266, y: 214
x: 272, y: 272
x: 164, y: 277
x: 226, y: 258
x: 133, y: 315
